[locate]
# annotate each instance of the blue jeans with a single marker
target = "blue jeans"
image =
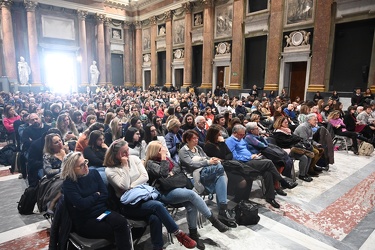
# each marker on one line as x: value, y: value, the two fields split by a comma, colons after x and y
x: 156, y: 214
x: 191, y: 201
x: 101, y: 171
x: 221, y: 190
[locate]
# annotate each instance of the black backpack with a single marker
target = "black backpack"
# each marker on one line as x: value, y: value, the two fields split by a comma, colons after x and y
x: 6, y: 154
x: 27, y: 201
x: 246, y: 213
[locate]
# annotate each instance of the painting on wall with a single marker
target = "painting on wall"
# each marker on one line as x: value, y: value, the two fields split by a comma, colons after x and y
x: 179, y: 31
x: 299, y: 11
x: 224, y: 20
x: 146, y: 37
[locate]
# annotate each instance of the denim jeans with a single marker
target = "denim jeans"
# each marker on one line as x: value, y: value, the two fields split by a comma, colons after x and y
x: 156, y: 214
x: 191, y: 201
x: 101, y: 171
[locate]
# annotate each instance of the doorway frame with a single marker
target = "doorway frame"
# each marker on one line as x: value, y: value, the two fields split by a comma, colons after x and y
x: 144, y: 69
x: 220, y: 61
x: 290, y: 57
x: 176, y: 64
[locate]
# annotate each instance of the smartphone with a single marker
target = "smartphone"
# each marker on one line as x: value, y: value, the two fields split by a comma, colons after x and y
x: 103, y: 215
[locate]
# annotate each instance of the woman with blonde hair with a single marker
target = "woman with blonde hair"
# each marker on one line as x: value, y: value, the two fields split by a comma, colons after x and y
x: 173, y: 138
x: 85, y: 196
x: 125, y: 172
x: 108, y: 118
x: 67, y: 127
x: 159, y: 166
x: 114, y: 131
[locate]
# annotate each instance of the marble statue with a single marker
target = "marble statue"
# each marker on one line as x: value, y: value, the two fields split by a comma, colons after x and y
x: 161, y: 31
x: 94, y: 72
x: 24, y: 71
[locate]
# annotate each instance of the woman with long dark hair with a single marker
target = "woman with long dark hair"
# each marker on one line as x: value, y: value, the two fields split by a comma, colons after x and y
x: 137, y: 146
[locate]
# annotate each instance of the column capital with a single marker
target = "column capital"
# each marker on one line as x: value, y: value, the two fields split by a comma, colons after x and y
x: 30, y: 5
x: 107, y: 21
x: 207, y: 3
x: 168, y: 15
x: 100, y: 17
x: 82, y: 14
x: 153, y: 20
x: 6, y: 3
x: 137, y: 25
x: 187, y: 7
x: 127, y: 25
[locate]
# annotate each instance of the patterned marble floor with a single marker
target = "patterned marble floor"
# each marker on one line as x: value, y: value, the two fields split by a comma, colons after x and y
x: 335, y: 211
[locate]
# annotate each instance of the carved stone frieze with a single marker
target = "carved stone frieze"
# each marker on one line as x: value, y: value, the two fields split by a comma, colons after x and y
x: 187, y: 7
x: 6, y: 3
x: 179, y: 54
x: 168, y: 15
x: 223, y: 48
x: 100, y: 17
x: 152, y: 20
x: 297, y: 41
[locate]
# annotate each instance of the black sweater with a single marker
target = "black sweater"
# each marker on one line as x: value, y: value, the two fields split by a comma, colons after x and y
x: 95, y: 156
x: 219, y: 150
x: 82, y: 199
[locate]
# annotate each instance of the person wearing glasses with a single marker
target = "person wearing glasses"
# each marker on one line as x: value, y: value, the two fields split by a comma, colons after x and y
x: 124, y: 172
x: 86, y: 196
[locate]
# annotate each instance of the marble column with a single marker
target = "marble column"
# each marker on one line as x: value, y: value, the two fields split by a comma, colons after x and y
x: 188, y: 56
x: 168, y: 49
x: 320, y: 49
x: 154, y: 59
x: 371, y: 75
x: 107, y: 40
x: 83, y: 46
x: 138, y: 54
x: 32, y: 36
x: 101, y: 48
x: 208, y: 43
x: 274, y: 45
x: 237, y: 45
x: 8, y: 40
x: 127, y: 54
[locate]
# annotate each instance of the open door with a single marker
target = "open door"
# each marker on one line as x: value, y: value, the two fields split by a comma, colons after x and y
x: 297, y: 80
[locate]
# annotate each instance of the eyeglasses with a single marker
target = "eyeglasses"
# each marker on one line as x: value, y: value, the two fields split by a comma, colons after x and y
x: 84, y: 164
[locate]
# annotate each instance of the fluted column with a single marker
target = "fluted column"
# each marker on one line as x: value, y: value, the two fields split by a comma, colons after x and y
x: 168, y: 49
x: 154, y: 59
x: 322, y: 31
x: 101, y: 48
x: 237, y: 45
x: 138, y: 52
x: 83, y: 46
x: 274, y: 45
x: 188, y: 48
x: 208, y: 43
x: 107, y: 39
x: 127, y: 54
x: 8, y: 40
x: 32, y: 36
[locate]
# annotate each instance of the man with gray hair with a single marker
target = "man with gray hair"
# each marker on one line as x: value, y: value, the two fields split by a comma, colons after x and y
x: 305, y: 131
x: 239, y: 148
x: 200, y: 128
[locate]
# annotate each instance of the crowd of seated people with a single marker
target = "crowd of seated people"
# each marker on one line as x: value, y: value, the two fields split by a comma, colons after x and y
x: 134, y: 137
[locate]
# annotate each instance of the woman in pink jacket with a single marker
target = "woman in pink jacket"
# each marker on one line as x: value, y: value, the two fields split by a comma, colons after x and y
x: 10, y: 116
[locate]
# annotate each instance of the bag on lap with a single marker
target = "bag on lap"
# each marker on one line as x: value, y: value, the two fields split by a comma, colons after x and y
x: 246, y: 213
x: 365, y: 148
x: 178, y: 180
x: 27, y: 201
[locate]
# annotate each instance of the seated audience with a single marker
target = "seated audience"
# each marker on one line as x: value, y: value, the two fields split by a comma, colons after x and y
x: 83, y: 139
x: 173, y: 138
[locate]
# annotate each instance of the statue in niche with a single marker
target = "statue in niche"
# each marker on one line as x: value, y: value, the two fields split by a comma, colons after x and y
x: 94, y: 72
x: 288, y: 41
x: 116, y: 34
x: 198, y: 20
x: 162, y: 31
x: 24, y: 71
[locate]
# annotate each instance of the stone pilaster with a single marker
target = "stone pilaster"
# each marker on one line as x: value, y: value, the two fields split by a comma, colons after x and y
x: 138, y: 54
x: 322, y: 31
x: 32, y: 37
x: 188, y: 48
x: 154, y: 60
x: 371, y: 78
x: 107, y: 39
x: 83, y: 46
x: 8, y: 40
x: 128, y: 66
x: 168, y: 49
x: 237, y: 45
x: 101, y: 48
x: 208, y: 43
x: 274, y: 45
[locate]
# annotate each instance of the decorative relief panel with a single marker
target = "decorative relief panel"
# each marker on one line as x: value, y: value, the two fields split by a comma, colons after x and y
x: 223, y: 21
x: 146, y: 38
x: 179, y: 31
x: 297, y: 41
x: 57, y: 27
x: 299, y: 12
x: 178, y: 54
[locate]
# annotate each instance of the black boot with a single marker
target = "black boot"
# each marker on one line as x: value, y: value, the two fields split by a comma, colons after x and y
x: 217, y: 224
x: 226, y: 217
x: 193, y: 233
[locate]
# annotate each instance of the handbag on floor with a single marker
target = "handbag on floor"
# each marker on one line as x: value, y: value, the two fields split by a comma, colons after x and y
x: 246, y: 213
